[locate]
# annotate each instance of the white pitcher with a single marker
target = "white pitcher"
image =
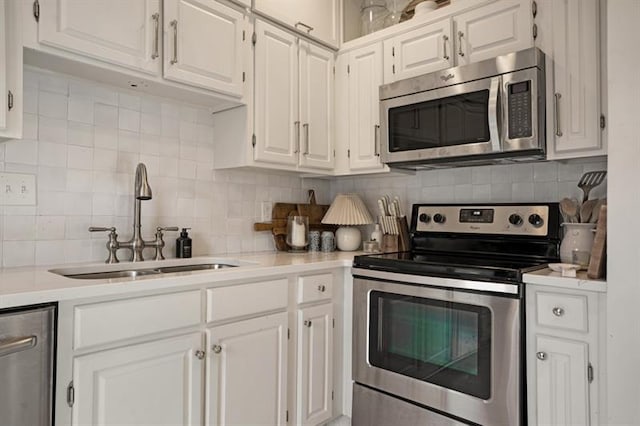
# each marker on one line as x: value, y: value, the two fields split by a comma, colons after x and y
x: 578, y: 239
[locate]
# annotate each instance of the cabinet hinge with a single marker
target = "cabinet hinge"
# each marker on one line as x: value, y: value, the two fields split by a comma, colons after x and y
x: 243, y: 76
x: 254, y: 38
x: 393, y: 51
x: 348, y: 69
x: 534, y: 9
x: 535, y: 31
x: 334, y: 153
x: 253, y: 140
x: 348, y: 153
x: 393, y: 68
x: 288, y: 334
x: 36, y: 10
x: 287, y: 416
x: 332, y: 395
x: 590, y: 373
x: 9, y: 100
x: 244, y: 35
x: 334, y: 70
x: 603, y: 121
x: 333, y: 323
x: 71, y: 394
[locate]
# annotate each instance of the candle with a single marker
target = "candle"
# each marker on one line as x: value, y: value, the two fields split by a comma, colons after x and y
x: 298, y: 233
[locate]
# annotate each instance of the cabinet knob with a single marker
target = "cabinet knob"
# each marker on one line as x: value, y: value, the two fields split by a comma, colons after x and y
x: 307, y: 323
x: 321, y: 288
x: 558, y: 312
x: 542, y: 356
x: 200, y: 354
x: 217, y: 349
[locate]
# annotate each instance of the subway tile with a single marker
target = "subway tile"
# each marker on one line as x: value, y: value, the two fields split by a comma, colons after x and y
x: 81, y: 109
x: 78, y: 204
x: 79, y: 157
x: 150, y: 124
x: 105, y: 116
x: 18, y: 253
x: 545, y: 172
x: 52, y: 130
x: 128, y: 101
x: 30, y: 126
x: 19, y: 228
x: 49, y: 252
x: 77, y: 227
x: 79, y: 180
x: 21, y: 152
x: 52, y: 105
x: 79, y: 134
x: 53, y: 83
x: 50, y: 227
x: 52, y: 154
x: 128, y: 141
x: 106, y: 138
x: 128, y: 120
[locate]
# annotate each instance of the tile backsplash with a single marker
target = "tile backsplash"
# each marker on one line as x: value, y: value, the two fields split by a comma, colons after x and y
x: 83, y: 140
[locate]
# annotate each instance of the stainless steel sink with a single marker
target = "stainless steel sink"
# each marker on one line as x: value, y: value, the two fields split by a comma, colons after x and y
x: 135, y: 273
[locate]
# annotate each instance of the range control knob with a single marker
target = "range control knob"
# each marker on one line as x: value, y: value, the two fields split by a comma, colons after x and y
x: 515, y: 219
x: 536, y: 220
x: 439, y: 218
x: 424, y: 218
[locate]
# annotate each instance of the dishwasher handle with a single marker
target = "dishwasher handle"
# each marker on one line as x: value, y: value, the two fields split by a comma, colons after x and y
x: 17, y: 344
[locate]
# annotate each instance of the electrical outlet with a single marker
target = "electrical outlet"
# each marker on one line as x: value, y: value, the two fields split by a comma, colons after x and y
x: 265, y: 211
x: 17, y: 189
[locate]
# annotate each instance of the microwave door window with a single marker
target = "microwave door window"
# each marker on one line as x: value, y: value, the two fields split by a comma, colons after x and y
x: 455, y: 120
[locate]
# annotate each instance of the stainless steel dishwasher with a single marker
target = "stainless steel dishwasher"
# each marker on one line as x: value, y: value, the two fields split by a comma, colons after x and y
x: 27, y: 338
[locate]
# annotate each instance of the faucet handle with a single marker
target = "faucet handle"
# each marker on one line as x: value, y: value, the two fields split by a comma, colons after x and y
x: 112, y: 245
x: 159, y: 243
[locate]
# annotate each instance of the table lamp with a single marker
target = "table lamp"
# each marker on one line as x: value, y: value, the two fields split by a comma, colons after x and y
x: 347, y: 209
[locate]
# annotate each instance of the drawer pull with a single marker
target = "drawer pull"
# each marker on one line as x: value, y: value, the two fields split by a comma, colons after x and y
x: 307, y: 323
x: 542, y: 356
x: 217, y: 349
x: 200, y: 354
x: 558, y: 312
x: 321, y: 288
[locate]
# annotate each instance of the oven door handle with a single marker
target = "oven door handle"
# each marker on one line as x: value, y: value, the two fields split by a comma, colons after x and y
x: 19, y: 344
x: 494, y: 117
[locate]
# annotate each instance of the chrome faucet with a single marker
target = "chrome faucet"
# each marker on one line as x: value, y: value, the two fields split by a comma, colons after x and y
x: 142, y: 191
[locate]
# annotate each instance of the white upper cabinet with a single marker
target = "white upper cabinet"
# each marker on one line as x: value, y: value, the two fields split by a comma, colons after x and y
x: 122, y: 32
x: 316, y: 106
x: 317, y: 18
x: 277, y: 128
x: 365, y: 78
x: 159, y: 382
x: 574, y: 75
x: 203, y: 41
x: 420, y: 51
x: 10, y: 72
x: 498, y: 28
x: 246, y: 382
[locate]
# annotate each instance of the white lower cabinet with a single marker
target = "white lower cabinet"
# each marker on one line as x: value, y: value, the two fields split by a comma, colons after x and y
x: 563, y: 353
x: 315, y: 364
x: 246, y: 373
x: 159, y: 382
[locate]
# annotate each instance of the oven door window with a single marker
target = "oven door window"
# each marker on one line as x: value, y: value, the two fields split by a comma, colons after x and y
x: 455, y: 120
x: 444, y: 343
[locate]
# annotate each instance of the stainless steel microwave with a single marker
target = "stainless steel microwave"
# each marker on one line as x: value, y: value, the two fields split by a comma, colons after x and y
x: 487, y: 112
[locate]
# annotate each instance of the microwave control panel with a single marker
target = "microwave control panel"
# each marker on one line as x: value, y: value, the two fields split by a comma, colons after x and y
x: 519, y: 104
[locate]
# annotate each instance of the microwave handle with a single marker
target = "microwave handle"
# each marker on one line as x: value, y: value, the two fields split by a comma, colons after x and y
x: 494, y: 118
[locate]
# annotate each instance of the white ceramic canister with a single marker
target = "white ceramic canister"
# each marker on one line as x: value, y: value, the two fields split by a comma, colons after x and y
x: 577, y: 242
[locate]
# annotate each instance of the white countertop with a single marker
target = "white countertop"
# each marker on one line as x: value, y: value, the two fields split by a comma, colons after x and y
x: 31, y: 285
x: 555, y: 279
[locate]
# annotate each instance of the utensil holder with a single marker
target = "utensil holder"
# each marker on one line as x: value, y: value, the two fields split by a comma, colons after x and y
x: 578, y: 237
x: 389, y: 243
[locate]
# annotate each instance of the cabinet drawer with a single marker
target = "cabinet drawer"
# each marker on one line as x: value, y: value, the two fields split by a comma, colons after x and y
x: 101, y: 323
x: 246, y: 299
x: 315, y: 287
x: 564, y: 311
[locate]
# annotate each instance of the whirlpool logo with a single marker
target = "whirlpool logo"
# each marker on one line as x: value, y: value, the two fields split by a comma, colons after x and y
x: 446, y: 77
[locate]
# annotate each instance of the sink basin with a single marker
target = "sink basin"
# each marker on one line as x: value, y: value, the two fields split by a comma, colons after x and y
x: 96, y: 274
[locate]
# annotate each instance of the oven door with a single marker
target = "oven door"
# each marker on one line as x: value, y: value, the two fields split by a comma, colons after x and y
x: 455, y: 352
x: 455, y: 121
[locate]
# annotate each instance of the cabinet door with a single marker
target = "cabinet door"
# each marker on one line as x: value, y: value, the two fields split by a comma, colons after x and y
x: 4, y: 65
x: 562, y: 387
x: 151, y: 383
x: 121, y: 32
x: 318, y: 18
x: 496, y: 29
x: 315, y: 364
x: 365, y: 78
x: 277, y: 128
x: 417, y: 52
x: 246, y: 379
x: 316, y: 106
x: 204, y: 45
x: 576, y: 65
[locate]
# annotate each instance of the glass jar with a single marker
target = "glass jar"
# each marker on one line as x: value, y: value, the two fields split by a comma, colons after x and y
x: 372, y: 15
x: 576, y: 243
x: 297, y: 232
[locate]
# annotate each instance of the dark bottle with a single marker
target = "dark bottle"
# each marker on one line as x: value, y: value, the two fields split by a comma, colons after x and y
x: 183, y: 244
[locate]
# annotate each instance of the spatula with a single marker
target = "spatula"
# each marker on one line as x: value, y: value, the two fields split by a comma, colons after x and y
x: 569, y: 210
x: 587, y: 210
x: 590, y: 180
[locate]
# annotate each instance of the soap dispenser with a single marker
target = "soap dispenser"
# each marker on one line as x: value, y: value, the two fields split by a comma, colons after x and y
x: 183, y: 244
x: 376, y: 235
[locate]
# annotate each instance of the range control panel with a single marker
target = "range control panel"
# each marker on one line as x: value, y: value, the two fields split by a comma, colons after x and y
x: 500, y: 219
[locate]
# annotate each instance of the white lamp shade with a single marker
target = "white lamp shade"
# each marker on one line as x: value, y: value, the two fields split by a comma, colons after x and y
x: 347, y: 209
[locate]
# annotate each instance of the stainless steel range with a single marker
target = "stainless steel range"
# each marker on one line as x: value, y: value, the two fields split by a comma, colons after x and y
x: 439, y: 331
